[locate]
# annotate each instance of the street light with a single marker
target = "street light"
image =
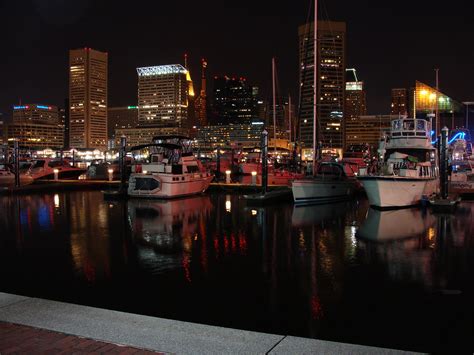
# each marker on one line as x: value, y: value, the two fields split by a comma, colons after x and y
x: 467, y: 112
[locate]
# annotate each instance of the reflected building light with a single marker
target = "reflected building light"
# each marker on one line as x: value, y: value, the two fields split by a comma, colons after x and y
x: 56, y: 201
x: 228, y: 206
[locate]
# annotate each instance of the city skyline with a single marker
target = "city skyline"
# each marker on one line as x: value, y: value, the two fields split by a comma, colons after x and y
x: 389, y: 46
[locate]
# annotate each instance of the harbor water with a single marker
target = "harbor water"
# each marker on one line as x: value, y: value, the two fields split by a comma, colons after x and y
x: 400, y: 279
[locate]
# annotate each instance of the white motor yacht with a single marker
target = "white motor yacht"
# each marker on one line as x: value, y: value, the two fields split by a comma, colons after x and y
x: 408, y: 170
x: 333, y: 182
x: 172, y: 171
x: 44, y: 169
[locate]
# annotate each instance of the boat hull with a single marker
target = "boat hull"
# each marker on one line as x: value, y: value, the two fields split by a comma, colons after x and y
x: 310, y: 191
x: 394, y: 192
x: 167, y: 186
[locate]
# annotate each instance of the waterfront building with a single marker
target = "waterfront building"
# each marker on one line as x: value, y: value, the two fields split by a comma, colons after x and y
x: 367, y: 129
x: 163, y: 96
x: 64, y: 116
x: 201, y: 101
x: 234, y: 101
x: 88, y: 98
x: 427, y: 101
x: 331, y: 83
x: 399, y: 104
x: 355, y: 102
x: 243, y: 135
x: 35, y: 126
x: 120, y: 118
x: 34, y: 113
x: 144, y: 135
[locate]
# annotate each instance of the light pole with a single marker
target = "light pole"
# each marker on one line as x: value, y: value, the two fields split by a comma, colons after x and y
x: 467, y: 112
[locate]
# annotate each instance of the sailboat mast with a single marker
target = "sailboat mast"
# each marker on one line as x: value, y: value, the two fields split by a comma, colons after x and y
x: 315, y: 82
x: 289, y: 114
x: 274, y: 104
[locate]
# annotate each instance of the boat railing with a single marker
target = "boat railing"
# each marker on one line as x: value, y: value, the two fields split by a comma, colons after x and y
x: 410, y: 128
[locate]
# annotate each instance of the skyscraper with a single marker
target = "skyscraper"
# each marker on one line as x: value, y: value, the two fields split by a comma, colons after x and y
x: 355, y: 103
x: 234, y: 101
x: 399, y: 104
x: 201, y: 101
x: 331, y: 83
x: 121, y: 118
x: 163, y: 96
x: 88, y: 98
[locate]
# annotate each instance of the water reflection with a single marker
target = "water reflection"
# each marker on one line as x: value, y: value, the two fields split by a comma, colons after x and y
x: 168, y: 230
x: 341, y: 272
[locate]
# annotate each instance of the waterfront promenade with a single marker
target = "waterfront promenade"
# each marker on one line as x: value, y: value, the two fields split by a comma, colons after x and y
x: 29, y: 325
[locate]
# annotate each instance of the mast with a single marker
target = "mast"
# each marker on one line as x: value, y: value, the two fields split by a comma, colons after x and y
x: 315, y: 82
x: 289, y: 114
x: 438, y: 128
x: 274, y: 105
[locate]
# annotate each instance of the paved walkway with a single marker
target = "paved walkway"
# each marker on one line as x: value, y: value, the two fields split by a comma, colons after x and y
x: 20, y: 339
x: 100, y: 326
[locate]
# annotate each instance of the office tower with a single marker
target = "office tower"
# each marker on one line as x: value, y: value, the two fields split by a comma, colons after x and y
x: 88, y: 98
x: 35, y: 126
x: 399, y: 104
x: 163, y: 96
x: 121, y: 118
x: 234, y: 101
x: 66, y: 122
x: 201, y: 101
x: 368, y: 129
x: 331, y: 44
x: 33, y: 113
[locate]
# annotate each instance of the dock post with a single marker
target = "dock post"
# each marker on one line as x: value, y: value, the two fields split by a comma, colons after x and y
x: 16, y: 162
x: 444, y: 163
x: 218, y: 163
x: 73, y: 157
x: 264, y: 161
x: 122, y: 155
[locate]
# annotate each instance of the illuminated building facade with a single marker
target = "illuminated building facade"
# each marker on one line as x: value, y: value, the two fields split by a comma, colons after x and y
x: 400, y: 101
x: 35, y: 126
x: 201, y: 101
x: 244, y: 135
x: 355, y: 102
x: 331, y: 83
x: 163, y: 96
x: 428, y: 101
x: 144, y: 135
x: 88, y: 98
x: 121, y: 117
x: 367, y: 129
x: 234, y: 102
x: 33, y: 113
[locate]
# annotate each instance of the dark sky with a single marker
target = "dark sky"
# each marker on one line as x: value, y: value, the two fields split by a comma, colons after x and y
x: 390, y: 43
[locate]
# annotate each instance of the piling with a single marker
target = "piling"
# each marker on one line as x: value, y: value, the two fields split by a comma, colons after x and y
x: 16, y: 162
x: 264, y: 150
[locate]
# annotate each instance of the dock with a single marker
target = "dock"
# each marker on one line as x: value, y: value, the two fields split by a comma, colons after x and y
x: 30, y: 325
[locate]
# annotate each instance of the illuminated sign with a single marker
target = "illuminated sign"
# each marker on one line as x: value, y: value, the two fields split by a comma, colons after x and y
x: 21, y: 107
x: 132, y: 107
x: 43, y: 107
x: 354, y: 85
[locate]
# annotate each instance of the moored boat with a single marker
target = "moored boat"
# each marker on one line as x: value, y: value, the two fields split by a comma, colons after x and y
x: 333, y: 182
x: 172, y: 171
x: 408, y: 170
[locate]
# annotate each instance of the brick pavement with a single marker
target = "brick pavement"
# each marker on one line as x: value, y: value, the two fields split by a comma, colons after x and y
x: 20, y: 339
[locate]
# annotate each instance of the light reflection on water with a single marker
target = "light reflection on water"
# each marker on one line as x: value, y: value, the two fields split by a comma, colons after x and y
x: 341, y: 272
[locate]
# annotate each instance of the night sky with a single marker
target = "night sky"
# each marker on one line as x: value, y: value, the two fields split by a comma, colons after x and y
x: 390, y: 43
